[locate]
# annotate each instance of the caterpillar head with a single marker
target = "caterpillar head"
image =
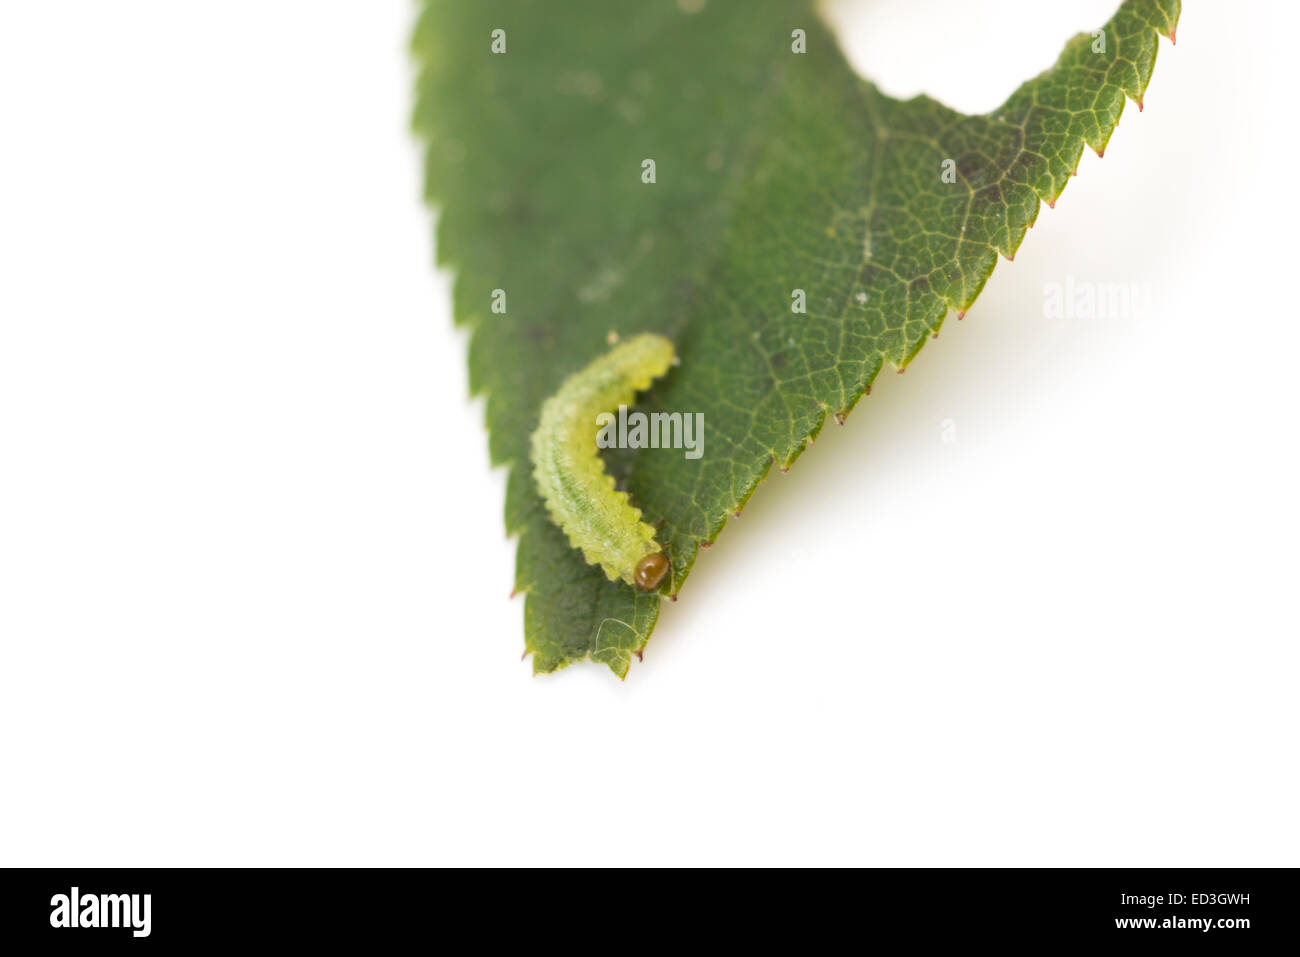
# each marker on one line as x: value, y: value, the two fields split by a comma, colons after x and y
x: 650, y: 571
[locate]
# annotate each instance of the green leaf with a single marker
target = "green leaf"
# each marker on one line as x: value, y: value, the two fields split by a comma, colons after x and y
x: 775, y: 171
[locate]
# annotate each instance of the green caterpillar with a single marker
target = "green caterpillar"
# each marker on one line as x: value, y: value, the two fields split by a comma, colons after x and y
x: 577, y: 490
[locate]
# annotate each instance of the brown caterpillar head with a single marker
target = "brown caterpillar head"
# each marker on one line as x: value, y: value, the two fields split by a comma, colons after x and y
x: 650, y: 571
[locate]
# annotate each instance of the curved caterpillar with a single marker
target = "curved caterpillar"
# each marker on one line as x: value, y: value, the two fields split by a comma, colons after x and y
x: 577, y: 490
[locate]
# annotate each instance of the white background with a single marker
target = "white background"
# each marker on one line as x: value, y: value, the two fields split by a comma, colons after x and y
x: 253, y: 579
